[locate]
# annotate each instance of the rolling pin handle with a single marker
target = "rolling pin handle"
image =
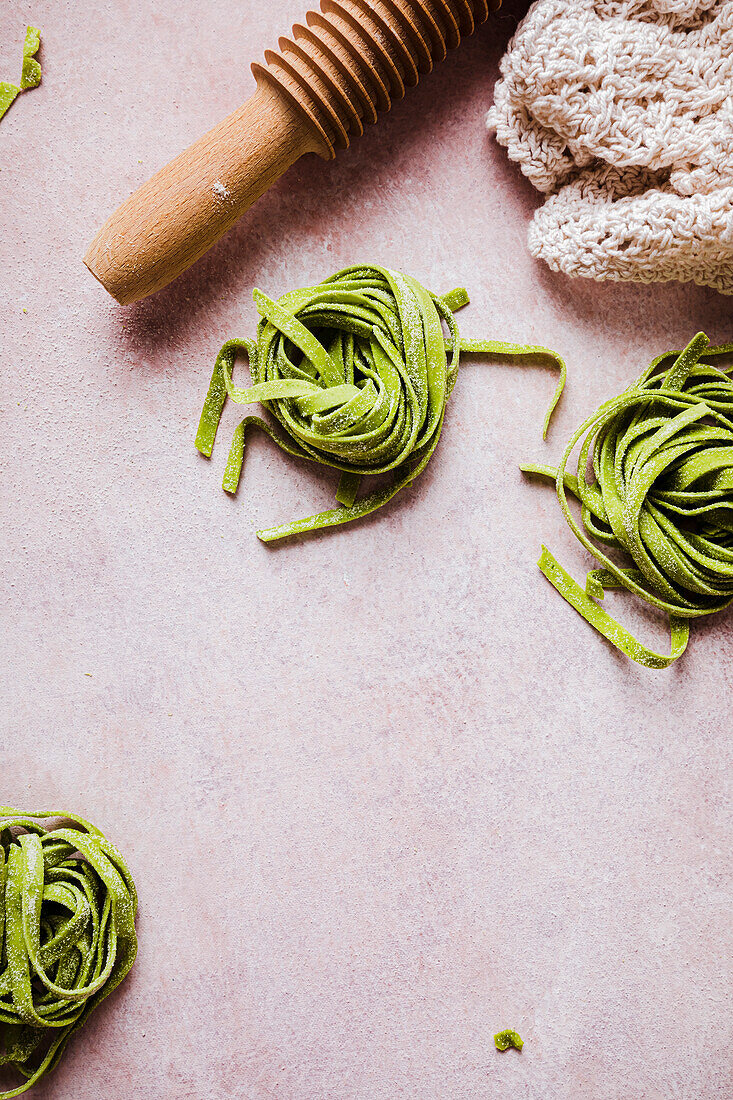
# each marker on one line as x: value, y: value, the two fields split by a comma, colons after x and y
x: 336, y: 72
x: 176, y: 216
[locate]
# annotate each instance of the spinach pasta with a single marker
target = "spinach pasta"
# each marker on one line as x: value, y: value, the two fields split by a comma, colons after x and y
x: 662, y: 494
x: 67, y: 935
x: 356, y: 371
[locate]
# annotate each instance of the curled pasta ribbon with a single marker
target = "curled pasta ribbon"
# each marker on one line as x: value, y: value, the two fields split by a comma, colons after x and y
x: 357, y: 372
x: 67, y: 935
x: 662, y: 492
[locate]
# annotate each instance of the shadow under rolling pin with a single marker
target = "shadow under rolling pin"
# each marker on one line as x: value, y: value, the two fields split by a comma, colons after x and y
x: 341, y: 67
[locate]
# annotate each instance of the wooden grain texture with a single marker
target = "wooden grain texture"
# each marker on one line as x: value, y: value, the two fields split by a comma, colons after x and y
x: 335, y: 73
x: 169, y: 222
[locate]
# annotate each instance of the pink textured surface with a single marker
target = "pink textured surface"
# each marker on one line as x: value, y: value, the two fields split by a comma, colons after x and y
x: 382, y: 792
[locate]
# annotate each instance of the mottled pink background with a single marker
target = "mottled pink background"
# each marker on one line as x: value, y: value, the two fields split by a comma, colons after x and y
x: 383, y: 793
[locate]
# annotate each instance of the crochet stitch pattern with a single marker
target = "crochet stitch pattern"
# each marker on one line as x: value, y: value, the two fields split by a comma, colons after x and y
x: 621, y: 112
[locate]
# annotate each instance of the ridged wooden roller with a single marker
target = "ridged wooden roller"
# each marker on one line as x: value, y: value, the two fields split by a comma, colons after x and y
x: 337, y: 71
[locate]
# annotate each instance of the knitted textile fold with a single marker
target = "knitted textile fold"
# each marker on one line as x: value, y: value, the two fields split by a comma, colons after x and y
x: 621, y: 112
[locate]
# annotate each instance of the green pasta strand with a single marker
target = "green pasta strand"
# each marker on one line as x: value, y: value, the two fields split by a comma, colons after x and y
x: 662, y: 493
x: 31, y: 73
x: 30, y: 76
x: 8, y: 94
x: 356, y: 371
x: 67, y: 935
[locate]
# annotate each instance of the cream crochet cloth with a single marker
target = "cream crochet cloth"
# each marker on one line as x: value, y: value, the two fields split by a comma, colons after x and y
x: 621, y: 111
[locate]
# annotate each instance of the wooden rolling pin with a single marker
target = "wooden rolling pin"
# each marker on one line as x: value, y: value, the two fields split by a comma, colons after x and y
x: 341, y: 67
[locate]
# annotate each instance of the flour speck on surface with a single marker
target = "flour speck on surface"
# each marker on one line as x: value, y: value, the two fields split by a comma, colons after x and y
x: 220, y: 190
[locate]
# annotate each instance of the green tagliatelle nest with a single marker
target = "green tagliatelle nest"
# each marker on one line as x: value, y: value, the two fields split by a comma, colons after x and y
x: 67, y: 935
x: 662, y: 492
x: 357, y: 371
